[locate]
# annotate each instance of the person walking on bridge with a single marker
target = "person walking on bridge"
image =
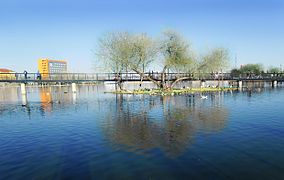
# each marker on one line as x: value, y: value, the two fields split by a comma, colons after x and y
x: 26, y: 75
x: 38, y: 75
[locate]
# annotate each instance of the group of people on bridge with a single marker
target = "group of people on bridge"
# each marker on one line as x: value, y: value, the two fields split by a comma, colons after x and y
x: 38, y: 75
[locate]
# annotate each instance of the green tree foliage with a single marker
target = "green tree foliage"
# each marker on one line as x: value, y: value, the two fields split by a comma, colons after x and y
x: 235, y: 72
x: 215, y: 61
x: 176, y: 52
x: 177, y: 56
x: 115, y: 50
x: 144, y: 51
x: 274, y: 70
x: 256, y: 69
x: 124, y: 52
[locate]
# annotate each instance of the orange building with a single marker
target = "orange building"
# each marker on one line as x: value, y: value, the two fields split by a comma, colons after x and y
x: 7, y: 74
x: 46, y: 66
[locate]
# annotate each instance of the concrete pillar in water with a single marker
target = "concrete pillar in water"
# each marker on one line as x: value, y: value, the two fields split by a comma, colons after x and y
x: 74, y: 96
x: 240, y: 84
x: 74, y: 90
x: 24, y: 99
x: 23, y: 88
x: 202, y: 84
x: 274, y: 83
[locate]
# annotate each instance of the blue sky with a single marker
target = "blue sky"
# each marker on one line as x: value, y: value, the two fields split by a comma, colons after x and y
x: 252, y: 30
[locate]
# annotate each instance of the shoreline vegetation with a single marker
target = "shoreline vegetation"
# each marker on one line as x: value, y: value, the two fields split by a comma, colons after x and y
x: 172, y: 92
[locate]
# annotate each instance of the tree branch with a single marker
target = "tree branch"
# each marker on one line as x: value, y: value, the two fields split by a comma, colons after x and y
x: 146, y: 77
x: 179, y: 79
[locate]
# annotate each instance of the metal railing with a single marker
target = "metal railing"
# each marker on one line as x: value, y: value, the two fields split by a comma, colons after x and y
x: 69, y: 77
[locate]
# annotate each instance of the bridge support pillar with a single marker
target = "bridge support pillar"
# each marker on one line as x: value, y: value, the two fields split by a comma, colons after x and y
x: 74, y: 88
x: 274, y: 83
x: 202, y: 84
x: 23, y: 88
x: 240, y: 84
x: 24, y: 99
x: 74, y: 97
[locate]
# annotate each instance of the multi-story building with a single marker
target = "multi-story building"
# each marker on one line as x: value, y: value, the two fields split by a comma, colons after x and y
x: 47, y: 66
x: 7, y: 74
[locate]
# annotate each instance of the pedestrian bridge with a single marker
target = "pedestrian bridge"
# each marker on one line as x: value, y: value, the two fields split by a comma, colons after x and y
x: 102, y: 77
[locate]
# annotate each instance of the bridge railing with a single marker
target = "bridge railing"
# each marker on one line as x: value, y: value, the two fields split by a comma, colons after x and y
x: 135, y: 76
x: 262, y: 76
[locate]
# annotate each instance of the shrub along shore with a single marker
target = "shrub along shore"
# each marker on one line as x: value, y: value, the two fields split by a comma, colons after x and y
x: 174, y: 91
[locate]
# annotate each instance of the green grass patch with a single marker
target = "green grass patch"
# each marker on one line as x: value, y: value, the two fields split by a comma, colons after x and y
x: 174, y: 91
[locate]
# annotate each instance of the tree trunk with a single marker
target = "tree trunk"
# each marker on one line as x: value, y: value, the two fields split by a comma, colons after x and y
x: 141, y: 79
x: 177, y: 80
x: 143, y: 76
x: 163, y: 82
x: 119, y: 81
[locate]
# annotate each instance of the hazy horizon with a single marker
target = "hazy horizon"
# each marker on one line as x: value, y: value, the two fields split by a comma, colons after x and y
x: 252, y: 30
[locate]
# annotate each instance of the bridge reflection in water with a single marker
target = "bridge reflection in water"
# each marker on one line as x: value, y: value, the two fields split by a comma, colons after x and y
x: 106, y: 136
x: 46, y: 96
x: 137, y: 123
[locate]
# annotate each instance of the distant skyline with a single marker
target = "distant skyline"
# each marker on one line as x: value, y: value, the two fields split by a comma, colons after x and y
x: 252, y: 30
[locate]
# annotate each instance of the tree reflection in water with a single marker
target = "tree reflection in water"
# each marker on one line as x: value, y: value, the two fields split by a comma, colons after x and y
x: 167, y: 123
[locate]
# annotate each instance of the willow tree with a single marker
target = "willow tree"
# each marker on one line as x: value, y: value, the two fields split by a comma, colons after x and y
x: 115, y: 51
x: 144, y: 51
x: 177, y: 57
x: 215, y: 61
x: 256, y: 69
x: 175, y: 52
x: 273, y: 69
x: 123, y: 51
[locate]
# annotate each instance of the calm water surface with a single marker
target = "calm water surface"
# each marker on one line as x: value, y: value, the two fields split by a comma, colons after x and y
x: 92, y: 135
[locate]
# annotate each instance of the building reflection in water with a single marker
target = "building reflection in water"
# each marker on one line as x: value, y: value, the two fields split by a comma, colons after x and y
x: 167, y: 123
x: 46, y: 99
x: 56, y: 97
x: 48, y: 96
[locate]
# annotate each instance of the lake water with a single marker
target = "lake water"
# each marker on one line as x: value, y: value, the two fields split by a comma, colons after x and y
x: 93, y: 135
